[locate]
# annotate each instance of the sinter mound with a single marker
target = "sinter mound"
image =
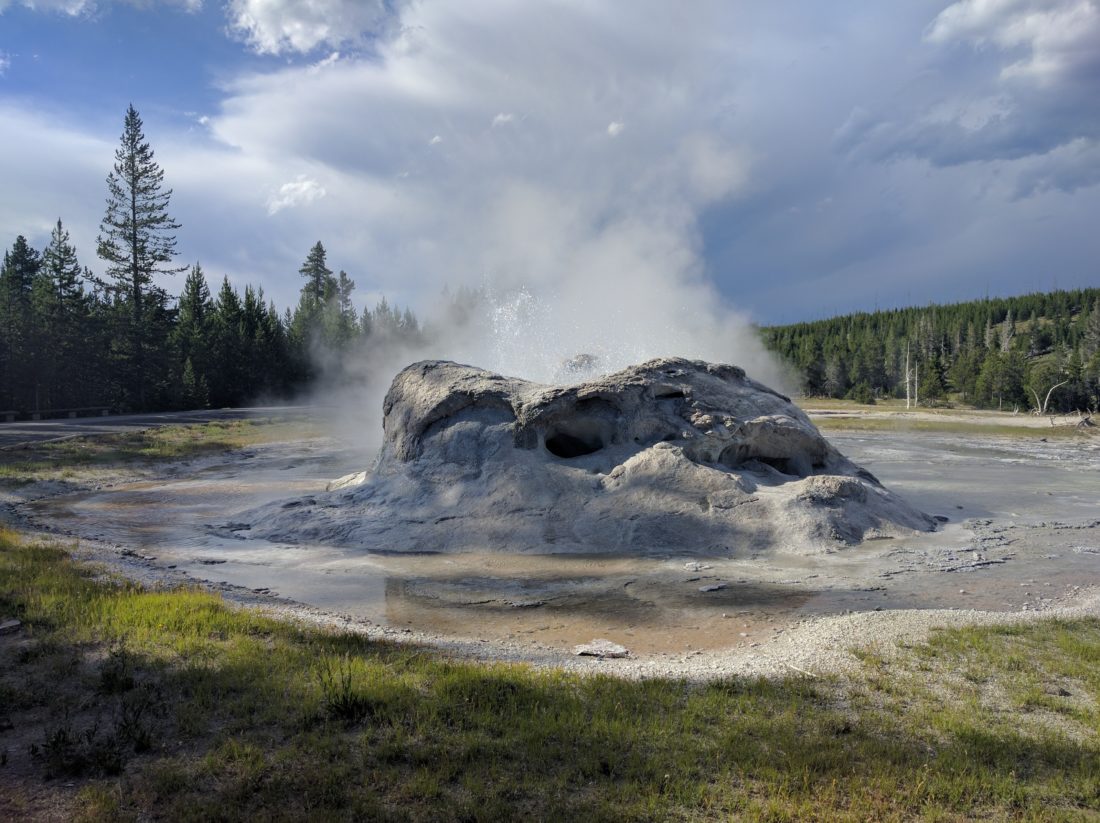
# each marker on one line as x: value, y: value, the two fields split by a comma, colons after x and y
x: 672, y: 456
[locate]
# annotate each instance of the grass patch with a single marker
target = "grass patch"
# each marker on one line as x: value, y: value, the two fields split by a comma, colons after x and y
x: 890, y: 415
x: 942, y: 425
x: 82, y: 456
x: 167, y: 703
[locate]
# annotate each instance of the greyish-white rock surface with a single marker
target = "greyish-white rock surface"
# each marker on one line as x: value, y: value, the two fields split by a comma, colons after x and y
x: 672, y: 456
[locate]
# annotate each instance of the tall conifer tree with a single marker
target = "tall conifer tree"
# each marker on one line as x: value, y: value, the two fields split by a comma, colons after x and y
x: 17, y: 375
x: 137, y: 241
x: 61, y: 313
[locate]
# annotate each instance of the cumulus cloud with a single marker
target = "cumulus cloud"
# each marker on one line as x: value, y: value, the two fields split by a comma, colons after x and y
x: 282, y: 26
x: 945, y: 155
x: 295, y: 193
x: 45, y: 158
x: 77, y: 8
x: 605, y: 241
x: 1067, y: 168
x: 714, y: 170
x: 70, y: 7
x: 1057, y: 37
x: 1025, y: 74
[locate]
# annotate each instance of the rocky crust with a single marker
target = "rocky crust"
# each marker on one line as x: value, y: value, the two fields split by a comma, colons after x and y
x: 670, y: 457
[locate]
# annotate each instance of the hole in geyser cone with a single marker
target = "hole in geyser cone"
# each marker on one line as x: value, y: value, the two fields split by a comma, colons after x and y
x: 735, y: 457
x: 564, y: 444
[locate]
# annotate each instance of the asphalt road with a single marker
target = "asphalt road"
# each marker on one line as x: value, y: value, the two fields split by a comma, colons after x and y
x: 38, y: 431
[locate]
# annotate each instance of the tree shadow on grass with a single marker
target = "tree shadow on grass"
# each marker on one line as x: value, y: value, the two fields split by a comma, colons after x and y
x: 248, y: 718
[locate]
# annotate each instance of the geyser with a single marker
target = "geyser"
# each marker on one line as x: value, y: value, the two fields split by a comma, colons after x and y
x: 670, y: 457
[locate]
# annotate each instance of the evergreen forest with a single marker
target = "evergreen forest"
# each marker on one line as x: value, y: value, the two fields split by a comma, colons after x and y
x: 1037, y: 352
x: 74, y: 340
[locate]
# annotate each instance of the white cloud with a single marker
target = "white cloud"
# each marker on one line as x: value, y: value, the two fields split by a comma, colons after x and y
x: 1019, y: 95
x: 5, y: 63
x: 280, y: 26
x: 70, y: 7
x: 327, y: 61
x: 614, y: 128
x: 1056, y: 36
x: 714, y: 170
x: 605, y: 240
x: 1067, y: 168
x: 77, y: 8
x: 719, y: 171
x: 295, y: 193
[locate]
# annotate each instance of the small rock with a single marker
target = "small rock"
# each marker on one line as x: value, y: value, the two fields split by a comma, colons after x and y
x: 601, y: 648
x: 10, y: 626
x: 713, y: 587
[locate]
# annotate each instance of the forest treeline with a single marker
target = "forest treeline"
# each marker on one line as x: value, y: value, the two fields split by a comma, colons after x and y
x: 68, y: 340
x: 71, y: 339
x: 993, y: 353
x: 74, y: 339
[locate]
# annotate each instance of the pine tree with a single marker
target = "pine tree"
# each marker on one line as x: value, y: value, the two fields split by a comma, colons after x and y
x: 320, y: 283
x: 1008, y: 332
x: 227, y: 368
x: 1091, y: 339
x: 60, y: 318
x: 346, y: 319
x: 17, y: 374
x: 137, y: 242
x: 192, y: 336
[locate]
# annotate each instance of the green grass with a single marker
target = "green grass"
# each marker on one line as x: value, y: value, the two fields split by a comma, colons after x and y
x: 890, y: 415
x: 167, y: 703
x: 77, y: 456
x: 944, y: 425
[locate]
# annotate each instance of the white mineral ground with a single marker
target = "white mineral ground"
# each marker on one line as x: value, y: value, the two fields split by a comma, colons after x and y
x: 1022, y: 540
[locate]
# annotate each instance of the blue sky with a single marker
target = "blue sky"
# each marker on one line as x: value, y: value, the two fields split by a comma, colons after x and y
x: 787, y: 160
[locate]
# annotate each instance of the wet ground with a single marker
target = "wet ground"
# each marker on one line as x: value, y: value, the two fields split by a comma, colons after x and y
x: 1022, y: 532
x: 21, y: 432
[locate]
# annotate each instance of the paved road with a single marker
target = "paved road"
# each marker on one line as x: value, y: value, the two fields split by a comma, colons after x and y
x: 37, y: 431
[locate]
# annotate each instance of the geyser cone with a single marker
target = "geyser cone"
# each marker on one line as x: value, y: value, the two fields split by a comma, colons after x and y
x: 670, y: 457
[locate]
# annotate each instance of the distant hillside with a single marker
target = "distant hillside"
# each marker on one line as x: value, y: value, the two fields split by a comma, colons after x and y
x: 994, y: 353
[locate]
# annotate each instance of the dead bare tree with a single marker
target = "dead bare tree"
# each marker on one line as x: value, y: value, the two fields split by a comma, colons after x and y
x: 907, y: 375
x: 1041, y: 407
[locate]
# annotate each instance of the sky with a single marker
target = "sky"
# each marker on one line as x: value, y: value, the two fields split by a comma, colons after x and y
x: 789, y: 160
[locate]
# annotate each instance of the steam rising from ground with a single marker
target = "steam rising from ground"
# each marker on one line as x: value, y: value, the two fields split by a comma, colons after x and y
x: 561, y: 272
x: 548, y: 159
x: 579, y: 328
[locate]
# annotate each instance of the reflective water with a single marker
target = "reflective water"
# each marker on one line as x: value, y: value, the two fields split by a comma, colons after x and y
x: 1041, y: 499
